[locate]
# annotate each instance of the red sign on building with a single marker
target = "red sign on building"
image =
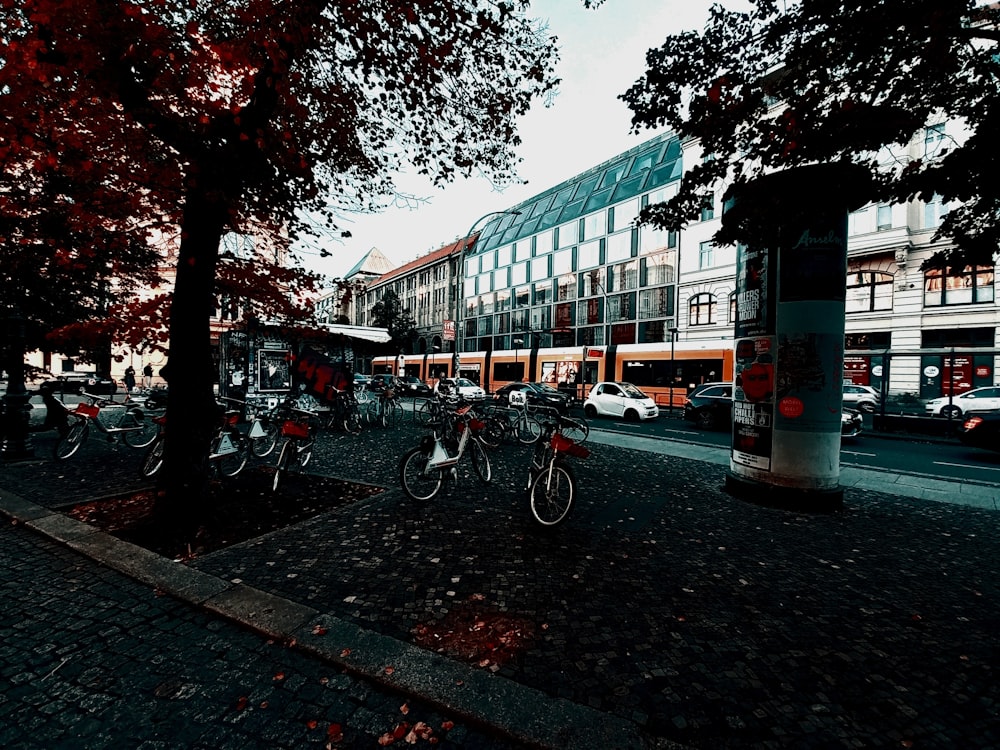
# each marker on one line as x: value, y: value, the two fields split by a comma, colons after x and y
x: 448, y: 330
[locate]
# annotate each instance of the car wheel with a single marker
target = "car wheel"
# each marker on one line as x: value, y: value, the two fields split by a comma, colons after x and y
x: 631, y: 415
x: 590, y: 410
x: 950, y: 411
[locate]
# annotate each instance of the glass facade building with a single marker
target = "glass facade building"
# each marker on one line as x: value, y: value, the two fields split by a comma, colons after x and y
x: 569, y: 267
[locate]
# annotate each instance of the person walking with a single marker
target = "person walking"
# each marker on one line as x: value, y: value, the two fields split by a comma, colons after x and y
x: 147, y: 375
x: 129, y: 379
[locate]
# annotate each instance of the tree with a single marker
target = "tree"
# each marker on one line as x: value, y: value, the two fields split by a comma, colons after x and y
x: 243, y: 113
x: 853, y: 82
x: 390, y: 314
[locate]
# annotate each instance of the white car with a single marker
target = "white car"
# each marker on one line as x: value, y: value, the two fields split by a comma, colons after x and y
x: 462, y: 386
x: 978, y: 399
x: 862, y: 397
x: 608, y: 399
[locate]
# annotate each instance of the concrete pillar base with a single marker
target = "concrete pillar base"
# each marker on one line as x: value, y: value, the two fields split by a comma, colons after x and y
x: 785, y: 498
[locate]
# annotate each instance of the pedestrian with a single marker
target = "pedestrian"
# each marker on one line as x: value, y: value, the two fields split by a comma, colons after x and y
x: 147, y: 375
x: 129, y: 379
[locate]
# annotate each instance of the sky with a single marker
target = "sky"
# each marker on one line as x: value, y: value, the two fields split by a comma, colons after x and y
x: 602, y: 53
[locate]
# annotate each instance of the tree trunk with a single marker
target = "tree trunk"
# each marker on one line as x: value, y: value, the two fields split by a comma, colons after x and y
x: 192, y: 413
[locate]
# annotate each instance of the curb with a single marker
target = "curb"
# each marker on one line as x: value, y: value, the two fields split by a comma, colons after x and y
x: 521, y: 713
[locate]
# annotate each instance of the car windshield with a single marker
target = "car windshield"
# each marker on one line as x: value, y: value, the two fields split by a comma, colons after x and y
x: 411, y: 379
x: 631, y: 391
x: 544, y: 387
x: 463, y: 383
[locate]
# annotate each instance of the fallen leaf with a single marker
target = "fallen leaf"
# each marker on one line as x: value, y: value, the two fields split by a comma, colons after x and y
x: 279, y: 677
x: 345, y: 653
x: 420, y: 731
x: 477, y: 598
x: 400, y: 731
x: 389, y: 670
x: 241, y: 704
x: 386, y: 739
x: 264, y: 704
x: 404, y: 709
x: 312, y: 723
x: 335, y: 733
x: 319, y: 630
x: 447, y: 726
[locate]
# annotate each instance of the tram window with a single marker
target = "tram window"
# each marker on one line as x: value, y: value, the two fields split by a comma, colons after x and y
x: 508, y: 371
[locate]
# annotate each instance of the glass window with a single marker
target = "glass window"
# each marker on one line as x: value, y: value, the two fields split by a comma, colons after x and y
x: 861, y: 221
x: 540, y: 208
x: 469, y: 287
x: 585, y: 187
x: 522, y: 250
x: 732, y: 307
x: 590, y: 311
x: 501, y: 278
x: 623, y: 276
x: 701, y: 310
x: 485, y: 325
x: 654, y: 332
x: 589, y: 254
x: 868, y: 291
x: 597, y: 200
x: 706, y: 255
x: 543, y: 242
x: 884, y: 217
x: 658, y: 269
x: 486, y: 261
x: 562, y: 198
x: 613, y: 174
x: 471, y: 266
x: 565, y: 315
x: 503, y: 256
x: 624, y: 214
x: 642, y: 162
x: 541, y: 318
x: 592, y: 283
x: 595, y: 225
x: 562, y: 262
x: 503, y: 300
x: 656, y: 303
x: 485, y: 283
x: 543, y: 294
x: 519, y: 274
x: 540, y: 268
x: 486, y: 304
x: 549, y: 219
x: 621, y: 307
x: 519, y: 319
x: 708, y: 207
x: 972, y: 284
x: 652, y: 240
x: 934, y: 212
x: 619, y: 246
x: 566, y: 287
x: 569, y: 234
x: 501, y: 323
x: 572, y: 210
x: 593, y: 336
x: 934, y: 138
x: 522, y: 296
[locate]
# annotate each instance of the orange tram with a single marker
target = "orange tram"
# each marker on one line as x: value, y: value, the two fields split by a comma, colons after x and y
x: 647, y: 366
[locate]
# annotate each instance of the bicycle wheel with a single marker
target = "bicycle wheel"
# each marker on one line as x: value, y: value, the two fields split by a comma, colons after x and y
x: 528, y: 429
x: 304, y: 453
x: 576, y: 429
x: 352, y: 421
x: 264, y: 445
x: 146, y: 432
x: 551, y: 494
x: 153, y: 461
x: 70, y: 443
x: 418, y: 483
x: 480, y: 460
x: 425, y: 413
x: 281, y: 467
x: 232, y: 463
x: 492, y: 434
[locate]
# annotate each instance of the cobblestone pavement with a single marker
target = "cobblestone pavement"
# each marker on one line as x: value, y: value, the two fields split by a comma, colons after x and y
x: 663, y: 601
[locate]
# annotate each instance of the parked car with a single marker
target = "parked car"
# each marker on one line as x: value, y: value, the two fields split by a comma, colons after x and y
x: 862, y: 397
x: 536, y: 394
x: 90, y: 382
x: 361, y: 381
x: 411, y: 385
x: 981, y: 430
x: 462, y: 386
x: 620, y: 399
x: 710, y: 406
x: 382, y: 380
x: 978, y: 399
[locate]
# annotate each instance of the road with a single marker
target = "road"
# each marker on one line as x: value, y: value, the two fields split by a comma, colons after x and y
x: 940, y: 458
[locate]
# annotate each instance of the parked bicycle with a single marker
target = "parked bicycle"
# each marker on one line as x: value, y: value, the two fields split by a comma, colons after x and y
x: 111, y: 418
x: 344, y: 412
x: 388, y: 407
x: 551, y: 483
x: 516, y: 423
x: 263, y: 429
x: 298, y: 428
x: 422, y: 469
x: 227, y: 453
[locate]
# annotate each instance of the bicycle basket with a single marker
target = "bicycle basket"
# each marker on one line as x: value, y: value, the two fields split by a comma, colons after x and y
x: 294, y: 429
x: 565, y: 445
x: 87, y: 410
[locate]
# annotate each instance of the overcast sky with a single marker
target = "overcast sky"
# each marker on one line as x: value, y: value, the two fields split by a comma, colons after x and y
x: 602, y: 53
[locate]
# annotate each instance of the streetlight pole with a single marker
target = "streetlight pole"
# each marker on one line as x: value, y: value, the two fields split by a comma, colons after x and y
x: 673, y: 368
x: 460, y: 276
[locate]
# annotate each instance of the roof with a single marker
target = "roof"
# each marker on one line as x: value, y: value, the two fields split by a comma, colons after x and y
x: 378, y: 335
x: 441, y: 253
x: 373, y: 263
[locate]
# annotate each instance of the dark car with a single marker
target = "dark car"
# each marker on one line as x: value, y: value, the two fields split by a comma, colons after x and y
x: 411, y: 385
x: 710, y: 405
x: 981, y: 430
x: 382, y: 380
x: 87, y: 382
x: 536, y: 394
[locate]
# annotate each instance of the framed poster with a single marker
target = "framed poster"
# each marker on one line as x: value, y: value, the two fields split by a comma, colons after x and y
x: 273, y: 374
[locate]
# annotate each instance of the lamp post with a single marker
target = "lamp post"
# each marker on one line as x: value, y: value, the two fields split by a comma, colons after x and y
x: 460, y: 274
x: 673, y: 367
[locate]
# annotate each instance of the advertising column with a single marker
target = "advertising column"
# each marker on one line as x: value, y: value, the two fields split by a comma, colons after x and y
x: 791, y: 234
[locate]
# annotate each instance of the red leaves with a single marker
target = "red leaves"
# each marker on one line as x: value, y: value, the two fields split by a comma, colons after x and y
x: 318, y: 630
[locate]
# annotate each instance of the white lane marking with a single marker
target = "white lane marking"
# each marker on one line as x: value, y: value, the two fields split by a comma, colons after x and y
x: 968, y: 466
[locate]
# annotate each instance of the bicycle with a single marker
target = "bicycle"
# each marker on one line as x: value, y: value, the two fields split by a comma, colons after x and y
x: 228, y: 451
x: 551, y: 482
x: 263, y: 430
x: 344, y: 412
x: 422, y: 469
x: 299, y: 431
x: 516, y: 422
x: 388, y: 407
x: 109, y: 417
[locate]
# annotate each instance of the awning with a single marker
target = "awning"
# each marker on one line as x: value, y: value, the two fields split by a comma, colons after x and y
x: 378, y: 335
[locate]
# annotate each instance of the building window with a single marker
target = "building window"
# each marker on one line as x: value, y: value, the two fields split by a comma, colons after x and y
x: 706, y: 255
x: 884, y: 220
x: 522, y: 250
x: 708, y: 208
x: 868, y: 291
x: 589, y: 255
x: 934, y: 212
x: 732, y: 307
x: 619, y: 246
x: 623, y: 276
x: 590, y: 311
x: 503, y: 256
x: 568, y: 235
x: 540, y: 268
x: 934, y: 138
x: 544, y: 242
x: 658, y: 269
x: 701, y: 310
x: 624, y: 214
x: 566, y: 287
x: 486, y: 261
x: 595, y: 225
x: 503, y: 300
x: 543, y: 293
x: 592, y: 283
x: 972, y: 284
x: 621, y: 307
x: 656, y: 303
x: 519, y: 274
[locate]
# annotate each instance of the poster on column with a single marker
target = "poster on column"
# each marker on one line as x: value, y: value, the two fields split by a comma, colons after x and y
x: 754, y: 301
x: 753, y: 402
x: 807, y: 364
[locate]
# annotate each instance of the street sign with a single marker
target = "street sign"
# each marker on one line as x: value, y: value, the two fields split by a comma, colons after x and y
x: 448, y: 330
